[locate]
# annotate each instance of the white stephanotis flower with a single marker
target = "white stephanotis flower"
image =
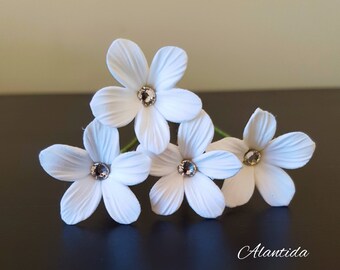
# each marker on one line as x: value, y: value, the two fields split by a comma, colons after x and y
x: 98, y: 171
x: 149, y: 96
x: 187, y: 169
x: 263, y: 157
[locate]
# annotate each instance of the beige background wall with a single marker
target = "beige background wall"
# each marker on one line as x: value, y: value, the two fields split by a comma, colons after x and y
x: 60, y: 46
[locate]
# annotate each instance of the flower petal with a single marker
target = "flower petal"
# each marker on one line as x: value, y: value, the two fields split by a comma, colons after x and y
x: 274, y: 184
x: 178, y: 105
x: 152, y: 130
x: 167, y: 194
x: 130, y: 168
x: 204, y: 196
x: 120, y: 202
x: 167, y: 68
x: 230, y: 144
x: 195, y: 135
x: 238, y: 189
x: 101, y: 142
x: 115, y: 106
x: 290, y: 151
x: 164, y: 163
x: 218, y: 164
x: 65, y: 162
x: 259, y: 130
x: 127, y: 64
x: 80, y: 200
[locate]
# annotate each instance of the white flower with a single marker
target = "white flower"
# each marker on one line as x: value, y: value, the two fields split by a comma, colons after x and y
x: 97, y: 171
x: 263, y: 159
x: 149, y: 96
x: 186, y: 169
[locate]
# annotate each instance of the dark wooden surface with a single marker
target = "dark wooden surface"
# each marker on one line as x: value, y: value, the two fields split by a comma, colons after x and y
x: 32, y: 235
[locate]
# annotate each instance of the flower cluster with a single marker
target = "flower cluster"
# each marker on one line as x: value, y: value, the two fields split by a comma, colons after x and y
x: 150, y: 96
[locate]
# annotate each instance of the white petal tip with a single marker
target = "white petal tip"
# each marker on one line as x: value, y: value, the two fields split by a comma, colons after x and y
x: 127, y: 222
x: 283, y: 205
x: 69, y: 222
x: 232, y: 205
x: 158, y: 211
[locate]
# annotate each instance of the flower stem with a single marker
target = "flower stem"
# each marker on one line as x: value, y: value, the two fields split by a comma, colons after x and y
x: 221, y: 132
x: 129, y: 145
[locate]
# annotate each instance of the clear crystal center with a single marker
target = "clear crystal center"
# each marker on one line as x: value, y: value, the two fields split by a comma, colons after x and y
x: 100, y: 171
x: 147, y: 96
x: 187, y: 168
x: 252, y: 157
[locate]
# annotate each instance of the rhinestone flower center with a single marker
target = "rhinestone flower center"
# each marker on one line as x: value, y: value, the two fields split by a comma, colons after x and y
x: 252, y: 157
x: 147, y: 96
x: 187, y: 168
x: 100, y: 171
